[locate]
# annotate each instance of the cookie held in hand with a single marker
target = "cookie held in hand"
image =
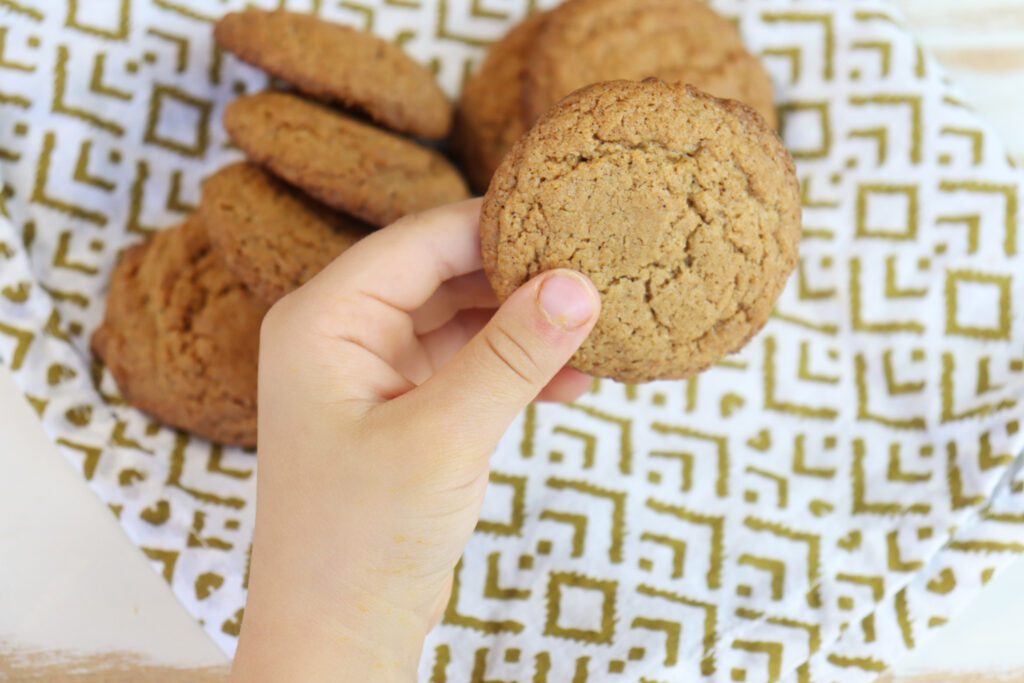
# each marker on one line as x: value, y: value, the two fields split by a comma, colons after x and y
x: 181, y: 336
x: 682, y: 208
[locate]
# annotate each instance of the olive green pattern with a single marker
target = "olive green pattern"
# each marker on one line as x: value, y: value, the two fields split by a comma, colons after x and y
x: 807, y: 510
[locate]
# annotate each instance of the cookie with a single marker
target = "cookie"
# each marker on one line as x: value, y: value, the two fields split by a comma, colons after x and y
x: 351, y: 166
x: 271, y: 236
x: 181, y: 334
x: 683, y: 209
x: 337, y: 63
x: 489, y: 118
x: 587, y: 41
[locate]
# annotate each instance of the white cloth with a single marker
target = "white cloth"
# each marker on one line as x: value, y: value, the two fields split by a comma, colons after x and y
x: 809, y: 509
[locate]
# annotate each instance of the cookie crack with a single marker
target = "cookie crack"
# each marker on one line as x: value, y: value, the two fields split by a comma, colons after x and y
x: 196, y: 305
x: 655, y: 316
x: 705, y: 219
x: 647, y: 146
x: 576, y: 160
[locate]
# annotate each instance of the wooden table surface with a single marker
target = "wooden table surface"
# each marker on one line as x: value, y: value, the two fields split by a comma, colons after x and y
x: 981, y: 42
x: 79, y: 603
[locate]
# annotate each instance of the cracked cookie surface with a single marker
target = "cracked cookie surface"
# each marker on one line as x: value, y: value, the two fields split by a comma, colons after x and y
x: 682, y: 208
x: 273, y: 238
x: 181, y: 336
x: 337, y: 63
x: 587, y: 41
x: 351, y: 166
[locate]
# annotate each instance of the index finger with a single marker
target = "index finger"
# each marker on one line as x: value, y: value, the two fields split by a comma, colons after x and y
x: 403, y: 264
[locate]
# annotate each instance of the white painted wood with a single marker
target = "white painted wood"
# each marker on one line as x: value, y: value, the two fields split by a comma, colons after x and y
x: 69, y: 577
x: 981, y: 43
x: 987, y: 636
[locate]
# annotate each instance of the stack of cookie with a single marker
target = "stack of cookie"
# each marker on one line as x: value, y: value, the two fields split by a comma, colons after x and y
x: 582, y: 42
x: 181, y: 330
x: 361, y: 176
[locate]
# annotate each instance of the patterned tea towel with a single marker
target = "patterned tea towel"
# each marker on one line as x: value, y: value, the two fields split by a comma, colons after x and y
x: 807, y: 510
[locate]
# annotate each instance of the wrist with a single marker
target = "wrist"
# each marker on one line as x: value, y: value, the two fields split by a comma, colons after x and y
x: 286, y: 636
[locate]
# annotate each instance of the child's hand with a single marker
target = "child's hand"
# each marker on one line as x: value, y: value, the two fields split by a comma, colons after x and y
x: 383, y: 391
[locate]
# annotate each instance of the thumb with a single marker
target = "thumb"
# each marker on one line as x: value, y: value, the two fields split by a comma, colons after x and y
x: 524, y: 345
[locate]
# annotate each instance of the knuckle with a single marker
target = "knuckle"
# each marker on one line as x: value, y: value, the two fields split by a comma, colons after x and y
x: 276, y: 319
x: 512, y: 353
x: 286, y: 313
x: 298, y: 317
x: 407, y: 221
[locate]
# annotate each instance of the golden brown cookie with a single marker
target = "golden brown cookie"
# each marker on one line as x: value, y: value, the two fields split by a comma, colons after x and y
x: 337, y: 63
x: 351, y: 166
x: 489, y: 118
x: 682, y: 208
x: 181, y: 334
x: 270, y: 235
x: 587, y: 41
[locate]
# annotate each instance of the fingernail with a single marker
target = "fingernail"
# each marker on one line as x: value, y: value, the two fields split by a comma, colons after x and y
x: 566, y: 300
